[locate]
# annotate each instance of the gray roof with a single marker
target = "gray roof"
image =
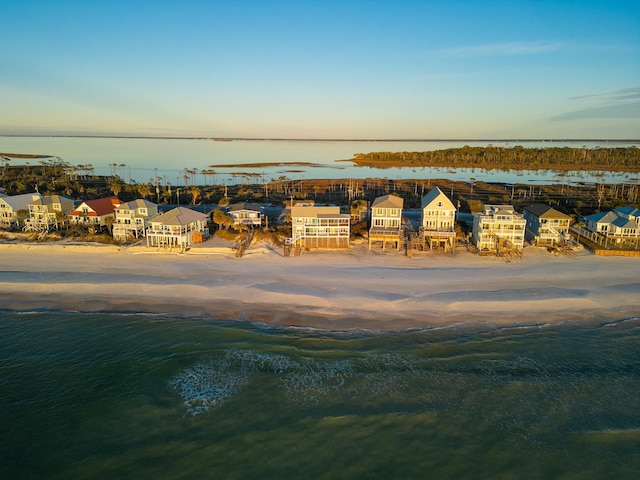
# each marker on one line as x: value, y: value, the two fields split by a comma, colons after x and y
x: 20, y: 202
x: 545, y: 211
x: 254, y: 207
x: 138, y: 203
x: 180, y: 216
x: 388, y: 201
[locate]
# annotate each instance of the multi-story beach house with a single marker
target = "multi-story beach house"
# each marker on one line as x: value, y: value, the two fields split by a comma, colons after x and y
x: 13, y: 206
x: 132, y: 219
x: 498, y: 228
x: 48, y: 213
x: 180, y: 227
x: 249, y: 214
x: 546, y: 226
x: 438, y: 220
x: 386, y: 221
x: 95, y: 213
x: 320, y: 227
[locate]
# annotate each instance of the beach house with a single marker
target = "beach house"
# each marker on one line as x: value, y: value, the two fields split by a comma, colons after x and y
x: 131, y: 219
x: 48, y: 213
x: 546, y: 226
x: 386, y: 221
x: 320, y: 227
x: 180, y: 227
x: 249, y: 214
x: 95, y: 213
x: 498, y: 229
x: 12, y: 207
x: 438, y: 220
x: 618, y: 225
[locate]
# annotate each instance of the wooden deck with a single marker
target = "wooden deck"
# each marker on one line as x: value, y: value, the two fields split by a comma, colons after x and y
x: 606, y: 247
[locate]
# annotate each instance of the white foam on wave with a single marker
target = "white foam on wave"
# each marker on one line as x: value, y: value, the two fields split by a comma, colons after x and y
x: 210, y: 382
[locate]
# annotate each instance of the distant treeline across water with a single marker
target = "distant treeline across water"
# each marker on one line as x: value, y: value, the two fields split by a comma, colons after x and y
x: 622, y: 159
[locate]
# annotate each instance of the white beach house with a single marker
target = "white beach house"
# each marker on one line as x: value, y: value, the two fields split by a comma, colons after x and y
x: 245, y: 213
x: 132, y: 218
x: 386, y: 221
x: 320, y: 227
x: 10, y: 205
x: 438, y: 220
x: 617, y: 224
x: 498, y: 228
x: 48, y: 212
x: 180, y: 227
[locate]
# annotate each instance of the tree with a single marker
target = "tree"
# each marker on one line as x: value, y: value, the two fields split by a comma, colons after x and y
x: 222, y: 219
x: 144, y: 189
x: 115, y: 184
x: 61, y: 220
x: 109, y: 221
x: 195, y: 192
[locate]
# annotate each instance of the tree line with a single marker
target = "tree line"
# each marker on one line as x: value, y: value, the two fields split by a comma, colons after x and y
x: 623, y: 159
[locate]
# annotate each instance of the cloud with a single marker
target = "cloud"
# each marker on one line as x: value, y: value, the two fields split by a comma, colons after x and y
x: 617, y: 95
x: 628, y: 110
x: 623, y: 103
x: 503, y: 49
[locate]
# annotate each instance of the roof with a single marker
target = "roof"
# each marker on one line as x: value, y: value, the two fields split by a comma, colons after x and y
x: 436, y: 193
x: 315, y: 211
x: 603, y: 217
x: 545, y: 211
x: 20, y: 202
x: 67, y: 204
x: 236, y: 207
x: 622, y: 222
x: 101, y: 206
x: 180, y: 216
x: 138, y: 203
x: 628, y: 211
x: 388, y: 201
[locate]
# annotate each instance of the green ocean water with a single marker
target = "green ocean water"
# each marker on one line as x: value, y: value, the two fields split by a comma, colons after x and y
x: 127, y: 396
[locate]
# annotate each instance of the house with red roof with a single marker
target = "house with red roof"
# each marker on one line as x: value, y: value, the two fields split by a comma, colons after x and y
x: 95, y: 212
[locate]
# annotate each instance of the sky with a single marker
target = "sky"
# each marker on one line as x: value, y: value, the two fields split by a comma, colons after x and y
x: 454, y: 69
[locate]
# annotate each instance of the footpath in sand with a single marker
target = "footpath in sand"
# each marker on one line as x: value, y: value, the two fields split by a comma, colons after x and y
x: 334, y: 290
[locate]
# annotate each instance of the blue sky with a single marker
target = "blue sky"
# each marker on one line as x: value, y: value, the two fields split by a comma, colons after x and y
x: 325, y: 69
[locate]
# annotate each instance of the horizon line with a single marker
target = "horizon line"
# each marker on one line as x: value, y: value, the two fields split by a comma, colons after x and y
x: 312, y: 139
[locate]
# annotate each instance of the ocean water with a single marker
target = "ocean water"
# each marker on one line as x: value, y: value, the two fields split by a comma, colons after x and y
x: 128, y: 396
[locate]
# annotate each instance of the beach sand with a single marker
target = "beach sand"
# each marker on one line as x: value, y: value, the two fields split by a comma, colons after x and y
x: 321, y: 289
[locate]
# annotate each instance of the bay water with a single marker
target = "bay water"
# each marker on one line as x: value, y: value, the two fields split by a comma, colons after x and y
x: 142, y: 159
x: 136, y: 396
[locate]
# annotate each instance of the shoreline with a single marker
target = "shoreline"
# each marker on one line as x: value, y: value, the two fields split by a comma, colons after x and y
x: 321, y: 289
